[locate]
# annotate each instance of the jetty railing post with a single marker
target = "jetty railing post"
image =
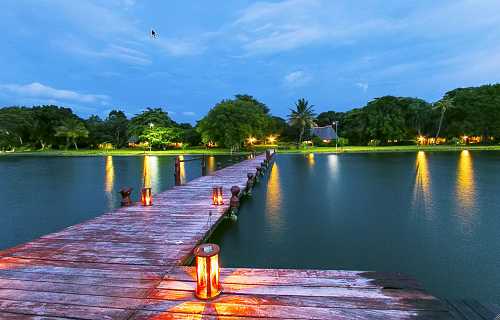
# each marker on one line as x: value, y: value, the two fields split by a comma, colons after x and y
x: 125, y: 193
x: 257, y: 174
x: 249, y: 185
x: 234, y: 202
x: 204, y: 166
x: 177, y: 173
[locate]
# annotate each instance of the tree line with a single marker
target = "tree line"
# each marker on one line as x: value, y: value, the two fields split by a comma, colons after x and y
x: 242, y: 120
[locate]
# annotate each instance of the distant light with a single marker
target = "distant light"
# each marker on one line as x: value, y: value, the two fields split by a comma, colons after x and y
x: 271, y: 139
x: 251, y: 140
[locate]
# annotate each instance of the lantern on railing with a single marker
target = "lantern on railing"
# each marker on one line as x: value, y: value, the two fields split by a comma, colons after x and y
x: 146, y: 196
x: 217, y: 196
x: 207, y: 271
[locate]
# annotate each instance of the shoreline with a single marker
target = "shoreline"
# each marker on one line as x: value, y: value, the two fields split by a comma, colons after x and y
x: 340, y: 150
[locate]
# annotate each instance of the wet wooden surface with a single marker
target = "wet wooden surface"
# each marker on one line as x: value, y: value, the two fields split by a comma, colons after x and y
x: 126, y: 265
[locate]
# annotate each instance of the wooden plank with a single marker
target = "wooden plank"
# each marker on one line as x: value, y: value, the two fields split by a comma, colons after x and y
x: 52, y: 311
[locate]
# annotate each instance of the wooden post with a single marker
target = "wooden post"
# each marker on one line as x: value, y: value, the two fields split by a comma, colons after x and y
x: 177, y: 173
x: 234, y: 203
x: 204, y: 166
x: 125, y: 193
x: 249, y: 186
x: 257, y: 174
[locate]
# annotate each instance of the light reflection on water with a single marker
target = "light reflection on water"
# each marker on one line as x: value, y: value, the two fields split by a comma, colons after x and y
x: 211, y: 165
x: 273, y: 198
x: 182, y: 170
x: 465, y: 192
x: 465, y: 189
x: 109, y: 180
x: 310, y: 159
x: 431, y: 215
x: 422, y: 188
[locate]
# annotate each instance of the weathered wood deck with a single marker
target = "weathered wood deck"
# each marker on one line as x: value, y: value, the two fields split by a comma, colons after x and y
x: 126, y: 265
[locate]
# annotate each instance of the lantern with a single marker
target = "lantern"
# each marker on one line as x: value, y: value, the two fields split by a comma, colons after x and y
x: 146, y: 197
x: 217, y: 196
x: 207, y: 271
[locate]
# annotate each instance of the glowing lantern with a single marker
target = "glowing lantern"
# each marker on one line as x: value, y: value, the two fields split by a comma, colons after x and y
x: 146, y: 197
x: 217, y: 196
x: 207, y: 271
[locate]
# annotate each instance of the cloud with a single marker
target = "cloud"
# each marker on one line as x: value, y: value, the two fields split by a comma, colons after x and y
x: 189, y: 113
x: 271, y: 27
x: 39, y: 91
x: 120, y: 34
x: 112, y: 52
x: 363, y: 86
x: 179, y: 47
x: 297, y: 79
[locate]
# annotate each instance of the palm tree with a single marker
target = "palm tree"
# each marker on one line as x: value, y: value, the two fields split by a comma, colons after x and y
x: 72, y: 129
x: 302, y: 116
x: 444, y: 105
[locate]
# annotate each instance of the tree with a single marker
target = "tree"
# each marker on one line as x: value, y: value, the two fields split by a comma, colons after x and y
x: 45, y: 120
x: 442, y: 105
x: 161, y: 137
x: 97, y: 131
x: 230, y: 122
x: 150, y: 117
x: 117, y: 127
x: 302, y: 117
x: 252, y: 100
x: 15, y: 125
x: 329, y: 117
x: 72, y: 129
x: 190, y: 135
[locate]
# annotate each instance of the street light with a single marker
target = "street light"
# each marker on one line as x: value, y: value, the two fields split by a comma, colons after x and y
x: 337, y: 133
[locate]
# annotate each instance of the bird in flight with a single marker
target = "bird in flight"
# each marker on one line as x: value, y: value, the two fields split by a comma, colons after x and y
x: 153, y: 34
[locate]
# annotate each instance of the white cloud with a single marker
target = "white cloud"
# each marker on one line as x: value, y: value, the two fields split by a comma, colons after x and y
x: 122, y: 36
x: 189, y: 113
x: 269, y: 27
x: 39, y: 91
x: 112, y: 51
x: 363, y: 86
x: 179, y: 47
x: 297, y: 79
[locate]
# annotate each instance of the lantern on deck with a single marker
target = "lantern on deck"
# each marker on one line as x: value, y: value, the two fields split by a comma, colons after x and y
x: 207, y: 271
x: 146, y: 197
x: 217, y: 196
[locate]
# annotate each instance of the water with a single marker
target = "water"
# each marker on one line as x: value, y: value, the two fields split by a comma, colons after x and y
x: 40, y: 195
x: 434, y: 216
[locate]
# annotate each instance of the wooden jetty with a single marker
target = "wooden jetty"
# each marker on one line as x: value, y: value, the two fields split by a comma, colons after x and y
x: 128, y: 264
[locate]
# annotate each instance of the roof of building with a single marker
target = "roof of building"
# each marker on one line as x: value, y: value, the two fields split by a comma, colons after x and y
x: 325, y: 133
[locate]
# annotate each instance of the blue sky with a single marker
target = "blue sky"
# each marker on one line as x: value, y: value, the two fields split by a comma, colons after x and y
x: 95, y: 56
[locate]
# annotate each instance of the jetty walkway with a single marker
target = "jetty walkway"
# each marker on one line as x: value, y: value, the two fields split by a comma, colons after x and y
x: 128, y: 264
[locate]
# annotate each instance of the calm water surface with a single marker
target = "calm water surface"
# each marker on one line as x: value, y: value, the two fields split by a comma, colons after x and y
x: 40, y: 195
x: 434, y: 216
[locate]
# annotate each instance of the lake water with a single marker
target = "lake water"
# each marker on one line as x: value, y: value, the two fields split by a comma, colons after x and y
x: 433, y: 216
x: 41, y: 195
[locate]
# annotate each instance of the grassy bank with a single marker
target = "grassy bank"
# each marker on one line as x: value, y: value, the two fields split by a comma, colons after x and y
x: 359, y: 149
x: 195, y: 151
